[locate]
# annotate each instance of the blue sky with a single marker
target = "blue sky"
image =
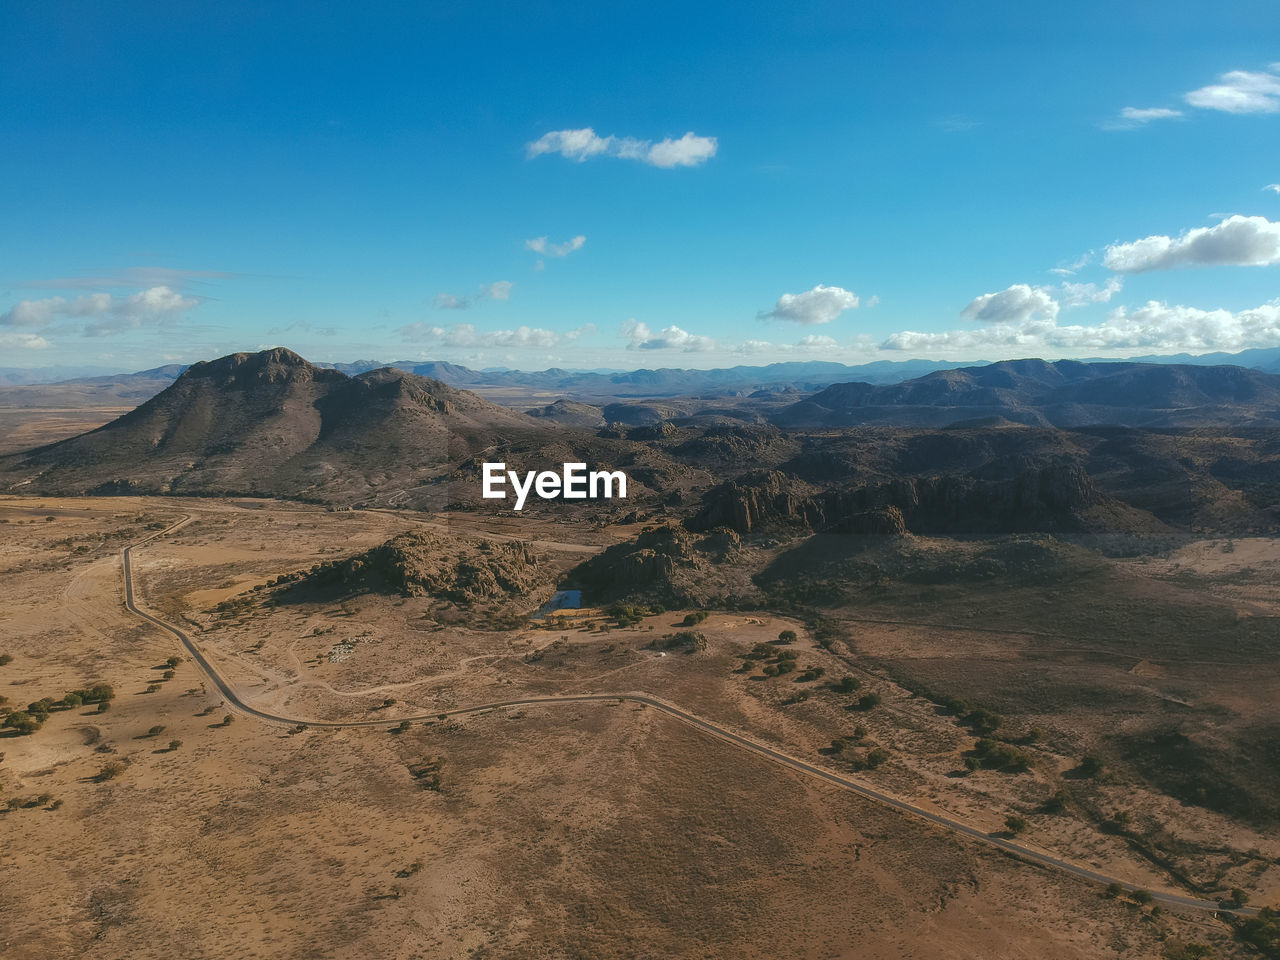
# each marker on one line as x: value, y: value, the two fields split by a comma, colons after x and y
x: 750, y: 184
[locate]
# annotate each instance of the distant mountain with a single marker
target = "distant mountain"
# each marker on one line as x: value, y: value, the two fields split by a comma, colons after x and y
x: 274, y: 424
x: 666, y: 382
x: 117, y: 389
x: 1065, y: 393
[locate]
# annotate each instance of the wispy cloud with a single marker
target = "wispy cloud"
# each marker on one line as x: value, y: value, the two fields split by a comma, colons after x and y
x: 498, y: 290
x: 1133, y: 117
x: 101, y: 314
x: 584, y: 144
x: 465, y: 335
x: 545, y: 247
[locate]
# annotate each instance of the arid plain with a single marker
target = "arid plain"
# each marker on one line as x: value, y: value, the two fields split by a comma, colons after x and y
x: 575, y: 829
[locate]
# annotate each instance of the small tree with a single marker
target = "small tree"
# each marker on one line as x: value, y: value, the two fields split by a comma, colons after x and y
x: 1091, y: 766
x: 172, y: 662
x: 110, y: 771
x: 1015, y: 824
x: 174, y: 745
x: 868, y: 701
x: 156, y: 730
x: 1142, y: 897
x: 787, y: 636
x: 1239, y: 896
x: 6, y: 659
x: 226, y: 721
x: 847, y: 684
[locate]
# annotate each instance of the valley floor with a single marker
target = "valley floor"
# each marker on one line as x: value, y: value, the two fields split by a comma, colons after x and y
x: 583, y: 830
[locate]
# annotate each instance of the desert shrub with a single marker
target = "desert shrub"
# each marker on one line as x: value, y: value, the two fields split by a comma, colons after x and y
x: 104, y: 706
x: 1262, y: 932
x: 168, y: 675
x: 787, y: 636
x: 152, y: 688
x: 172, y: 662
x: 72, y: 699
x: 810, y: 674
x: 993, y: 755
x: 875, y: 758
x: 868, y: 701
x: 22, y: 722
x: 174, y: 744
x: 1142, y: 896
x: 693, y: 619
x: 6, y: 659
x: 786, y: 666
x: 156, y: 730
x: 982, y: 721
x: 688, y: 640
x: 1091, y: 766
x: 110, y: 771
x: 226, y: 720
x: 1056, y: 803
x: 847, y: 684
x: 1015, y: 824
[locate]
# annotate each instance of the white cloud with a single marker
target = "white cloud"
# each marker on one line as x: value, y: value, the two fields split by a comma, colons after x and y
x: 820, y: 305
x: 586, y: 330
x: 1154, y: 326
x: 1082, y: 294
x: 1133, y: 117
x: 1236, y: 241
x: 816, y: 341
x: 543, y: 246
x: 1017, y: 304
x: 24, y: 341
x: 105, y: 314
x: 465, y: 335
x: 1070, y: 268
x: 668, y: 338
x: 688, y: 151
x: 579, y: 145
x: 1273, y: 187
x: 1241, y: 91
x: 447, y: 301
x: 498, y: 290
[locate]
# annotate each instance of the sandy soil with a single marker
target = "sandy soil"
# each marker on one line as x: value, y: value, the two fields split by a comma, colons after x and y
x: 601, y: 830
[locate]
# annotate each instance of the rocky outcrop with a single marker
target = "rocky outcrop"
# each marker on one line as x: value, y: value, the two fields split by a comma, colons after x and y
x: 424, y: 564
x: 1050, y: 497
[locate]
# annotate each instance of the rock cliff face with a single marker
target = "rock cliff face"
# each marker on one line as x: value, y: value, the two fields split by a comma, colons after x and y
x: 1045, y: 498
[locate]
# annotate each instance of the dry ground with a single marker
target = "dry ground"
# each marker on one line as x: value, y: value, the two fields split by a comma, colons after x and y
x: 603, y: 830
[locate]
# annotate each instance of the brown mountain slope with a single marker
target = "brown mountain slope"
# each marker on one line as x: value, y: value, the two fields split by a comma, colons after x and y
x: 270, y: 423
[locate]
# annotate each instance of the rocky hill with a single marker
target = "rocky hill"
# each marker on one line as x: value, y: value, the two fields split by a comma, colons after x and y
x: 428, y: 564
x: 271, y: 423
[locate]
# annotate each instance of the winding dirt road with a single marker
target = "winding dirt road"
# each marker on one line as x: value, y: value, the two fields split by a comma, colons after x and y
x: 1018, y: 851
